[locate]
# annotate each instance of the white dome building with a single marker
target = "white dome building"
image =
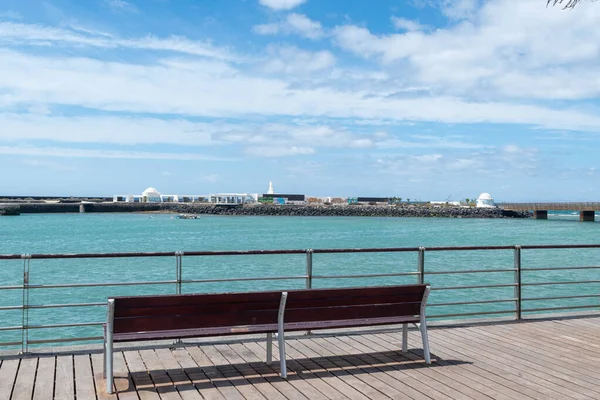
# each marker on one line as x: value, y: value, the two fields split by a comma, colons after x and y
x: 485, y: 200
x: 151, y: 195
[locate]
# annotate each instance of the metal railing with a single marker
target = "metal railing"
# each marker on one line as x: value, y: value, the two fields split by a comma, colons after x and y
x: 421, y: 273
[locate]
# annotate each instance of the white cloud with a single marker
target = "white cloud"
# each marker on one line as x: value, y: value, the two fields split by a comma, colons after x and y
x: 407, y: 24
x: 279, y: 5
x: 304, y: 26
x: 292, y: 60
x: 121, y: 5
x: 219, y: 90
x: 13, y: 34
x: 278, y: 151
x: 507, y: 49
x: 293, y: 23
x: 459, y: 9
x: 266, y: 29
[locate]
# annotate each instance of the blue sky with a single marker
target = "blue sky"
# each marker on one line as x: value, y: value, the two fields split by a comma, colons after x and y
x: 421, y: 99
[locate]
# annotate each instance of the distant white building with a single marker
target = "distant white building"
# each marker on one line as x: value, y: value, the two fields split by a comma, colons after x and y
x: 151, y: 195
x: 485, y: 200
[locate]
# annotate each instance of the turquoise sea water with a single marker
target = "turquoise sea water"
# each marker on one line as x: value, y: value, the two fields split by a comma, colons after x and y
x: 101, y: 233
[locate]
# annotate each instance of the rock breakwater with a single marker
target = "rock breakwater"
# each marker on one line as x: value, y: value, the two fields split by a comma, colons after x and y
x: 276, y: 210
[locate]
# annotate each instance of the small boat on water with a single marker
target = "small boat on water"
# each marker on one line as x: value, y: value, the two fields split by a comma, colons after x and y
x: 187, y: 216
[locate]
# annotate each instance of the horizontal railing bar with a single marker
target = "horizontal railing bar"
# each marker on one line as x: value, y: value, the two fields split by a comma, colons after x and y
x: 558, y: 283
x: 471, y: 314
x: 292, y: 251
x: 11, y: 287
x: 72, y: 285
x: 8, y: 308
x: 560, y: 246
x: 11, y: 328
x: 66, y: 305
x: 368, y: 250
x: 271, y: 278
x: 62, y: 340
x: 559, y: 308
x: 364, y: 275
x: 468, y: 248
x: 474, y: 287
x: 582, y: 296
x: 470, y: 271
x: 63, y: 325
x: 10, y: 344
x: 558, y: 268
x: 458, y: 303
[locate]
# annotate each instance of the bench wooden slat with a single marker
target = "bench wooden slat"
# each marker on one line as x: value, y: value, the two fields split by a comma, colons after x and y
x: 197, y: 332
x: 347, y: 323
x: 351, y: 312
x: 125, y: 302
x: 205, y: 321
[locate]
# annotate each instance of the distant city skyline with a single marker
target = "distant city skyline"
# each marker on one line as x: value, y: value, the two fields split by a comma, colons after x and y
x: 422, y: 99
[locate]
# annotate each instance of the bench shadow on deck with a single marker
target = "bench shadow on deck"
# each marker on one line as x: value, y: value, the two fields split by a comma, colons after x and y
x: 545, y: 359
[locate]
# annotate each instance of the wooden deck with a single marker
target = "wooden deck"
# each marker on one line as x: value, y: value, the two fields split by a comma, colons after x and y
x: 546, y: 359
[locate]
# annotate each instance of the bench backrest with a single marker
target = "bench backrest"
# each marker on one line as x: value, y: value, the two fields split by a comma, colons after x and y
x: 174, y: 312
x: 192, y: 311
x: 353, y: 303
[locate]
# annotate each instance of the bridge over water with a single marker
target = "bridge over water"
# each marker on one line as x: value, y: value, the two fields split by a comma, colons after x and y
x: 587, y: 211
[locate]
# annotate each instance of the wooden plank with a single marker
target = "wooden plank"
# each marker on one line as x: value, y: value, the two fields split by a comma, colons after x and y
x: 445, y: 368
x: 180, y: 380
x: 8, y: 375
x: 198, y: 378
x: 246, y: 388
x: 44, y: 380
x: 364, y: 372
x: 162, y: 382
x: 99, y: 381
x: 23, y: 389
x: 556, y: 373
x: 65, y: 387
x: 574, y: 358
x: 227, y: 389
x: 249, y: 373
x: 293, y: 387
x: 419, y: 371
x: 464, y: 368
x: 387, y: 372
x: 310, y: 384
x: 504, y: 364
x: 326, y: 382
x: 140, y: 376
x: 343, y: 381
x: 84, y: 380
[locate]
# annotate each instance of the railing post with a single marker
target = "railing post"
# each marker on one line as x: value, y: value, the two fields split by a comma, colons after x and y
x: 179, y: 270
x: 518, y: 286
x: 421, y: 265
x: 25, y: 303
x: 309, y: 258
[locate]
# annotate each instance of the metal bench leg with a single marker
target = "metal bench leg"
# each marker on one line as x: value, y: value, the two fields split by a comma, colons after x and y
x: 423, y: 329
x: 269, y: 348
x: 404, y: 338
x: 281, y: 336
x: 108, y: 349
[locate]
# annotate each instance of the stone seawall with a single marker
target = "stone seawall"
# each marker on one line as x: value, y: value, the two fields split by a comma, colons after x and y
x: 275, y: 210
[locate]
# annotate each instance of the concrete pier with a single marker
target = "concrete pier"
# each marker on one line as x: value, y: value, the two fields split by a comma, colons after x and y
x: 587, y: 216
x: 82, y: 208
x: 540, y: 214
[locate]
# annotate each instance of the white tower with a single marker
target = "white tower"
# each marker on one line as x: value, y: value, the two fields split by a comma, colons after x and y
x: 270, y: 191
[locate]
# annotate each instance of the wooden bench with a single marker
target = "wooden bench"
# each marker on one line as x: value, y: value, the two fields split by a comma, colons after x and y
x: 197, y: 315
